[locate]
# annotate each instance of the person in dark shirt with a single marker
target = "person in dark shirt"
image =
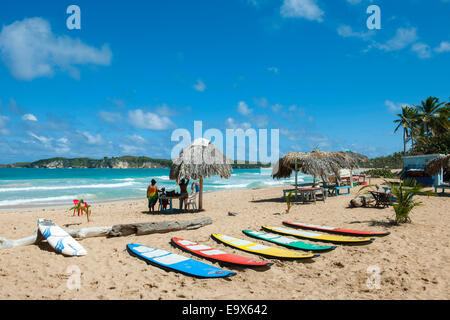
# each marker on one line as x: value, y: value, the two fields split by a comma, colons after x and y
x: 183, y: 191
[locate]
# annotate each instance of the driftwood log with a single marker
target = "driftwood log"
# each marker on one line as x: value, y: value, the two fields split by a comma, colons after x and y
x: 140, y: 229
x: 362, y: 201
x: 114, y: 231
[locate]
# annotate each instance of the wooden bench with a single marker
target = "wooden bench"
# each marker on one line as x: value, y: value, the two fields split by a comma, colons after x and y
x: 441, y: 186
x: 334, y: 191
x: 307, y: 194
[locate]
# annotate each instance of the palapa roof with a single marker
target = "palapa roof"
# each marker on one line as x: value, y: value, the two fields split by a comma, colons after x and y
x: 201, y: 159
x: 434, y: 166
x: 316, y: 163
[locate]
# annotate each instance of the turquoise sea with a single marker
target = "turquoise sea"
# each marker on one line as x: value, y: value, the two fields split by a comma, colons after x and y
x: 35, y: 187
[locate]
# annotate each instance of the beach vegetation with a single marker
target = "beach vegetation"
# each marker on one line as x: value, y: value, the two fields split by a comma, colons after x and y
x: 288, y: 201
x: 82, y: 206
x: 402, y: 197
x: 426, y: 126
x: 384, y: 173
x: 404, y: 193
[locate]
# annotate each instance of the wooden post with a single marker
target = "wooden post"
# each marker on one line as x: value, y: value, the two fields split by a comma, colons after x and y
x: 351, y: 178
x: 200, y: 197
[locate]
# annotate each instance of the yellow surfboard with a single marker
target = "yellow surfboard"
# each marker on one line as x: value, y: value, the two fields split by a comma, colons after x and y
x: 261, y: 249
x: 318, y: 236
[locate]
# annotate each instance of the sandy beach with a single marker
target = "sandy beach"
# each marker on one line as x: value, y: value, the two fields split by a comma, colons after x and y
x: 414, y: 260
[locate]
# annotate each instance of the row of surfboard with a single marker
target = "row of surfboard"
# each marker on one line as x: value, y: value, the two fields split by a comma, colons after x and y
x: 64, y: 243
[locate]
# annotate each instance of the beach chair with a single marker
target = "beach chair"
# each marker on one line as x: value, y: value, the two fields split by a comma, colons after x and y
x: 383, y: 200
x: 75, y: 202
x: 191, y: 201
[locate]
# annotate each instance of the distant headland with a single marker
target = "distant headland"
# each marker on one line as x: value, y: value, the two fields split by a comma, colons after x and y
x: 125, y: 162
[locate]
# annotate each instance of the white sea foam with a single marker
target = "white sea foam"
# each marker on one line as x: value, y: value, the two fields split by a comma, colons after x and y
x: 87, y: 186
x: 16, y: 202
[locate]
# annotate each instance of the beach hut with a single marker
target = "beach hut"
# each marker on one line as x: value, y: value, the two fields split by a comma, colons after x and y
x: 315, y: 163
x: 427, y: 169
x: 439, y: 168
x: 198, y: 161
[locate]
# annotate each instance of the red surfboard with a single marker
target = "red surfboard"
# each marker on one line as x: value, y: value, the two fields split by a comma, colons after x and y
x: 336, y: 230
x: 217, y: 255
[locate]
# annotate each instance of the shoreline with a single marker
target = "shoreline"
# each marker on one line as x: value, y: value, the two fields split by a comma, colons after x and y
x: 111, y: 200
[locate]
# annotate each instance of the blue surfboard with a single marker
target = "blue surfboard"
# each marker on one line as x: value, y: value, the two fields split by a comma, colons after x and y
x: 175, y: 262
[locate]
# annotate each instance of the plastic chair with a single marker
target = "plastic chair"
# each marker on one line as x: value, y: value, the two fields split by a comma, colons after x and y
x: 76, y: 202
x: 191, y: 201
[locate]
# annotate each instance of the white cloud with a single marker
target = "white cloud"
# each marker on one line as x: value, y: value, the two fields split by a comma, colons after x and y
x: 135, y: 138
x: 165, y: 110
x: 403, y: 38
x: 60, y: 146
x: 261, y: 102
x: 443, y: 47
x: 277, y: 107
x: 347, y: 32
x: 354, y: 2
x: 200, y: 86
x: 29, y: 117
x: 31, y: 50
x: 110, y: 117
x: 149, y: 120
x: 232, y: 124
x: 423, y: 50
x: 63, y: 140
x: 260, y: 121
x: 273, y: 69
x: 3, y: 125
x: 393, y: 106
x: 307, y: 9
x: 90, y: 139
x: 42, y: 139
x: 131, y: 150
x: 244, y: 109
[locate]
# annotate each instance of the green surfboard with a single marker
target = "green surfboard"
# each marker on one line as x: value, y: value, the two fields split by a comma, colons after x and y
x: 287, y: 242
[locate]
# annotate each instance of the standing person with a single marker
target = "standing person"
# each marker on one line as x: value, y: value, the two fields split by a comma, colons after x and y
x: 183, y: 191
x: 152, y: 195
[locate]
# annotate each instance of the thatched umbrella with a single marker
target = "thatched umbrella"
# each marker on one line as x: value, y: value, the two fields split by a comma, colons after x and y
x: 434, y: 166
x: 200, y: 160
x: 316, y: 163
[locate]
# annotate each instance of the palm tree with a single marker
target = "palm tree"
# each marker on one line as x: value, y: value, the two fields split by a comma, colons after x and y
x: 406, y: 120
x: 430, y: 112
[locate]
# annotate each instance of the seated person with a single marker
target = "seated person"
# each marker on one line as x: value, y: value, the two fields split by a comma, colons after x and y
x: 165, y: 202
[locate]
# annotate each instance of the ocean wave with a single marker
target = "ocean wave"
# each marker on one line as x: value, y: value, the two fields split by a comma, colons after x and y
x: 88, y: 186
x: 227, y: 186
x: 15, y: 202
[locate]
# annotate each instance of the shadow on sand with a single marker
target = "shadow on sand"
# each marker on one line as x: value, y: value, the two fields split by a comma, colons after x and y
x: 374, y: 223
x: 175, y: 211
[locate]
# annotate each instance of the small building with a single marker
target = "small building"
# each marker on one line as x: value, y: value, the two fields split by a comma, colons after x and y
x: 414, y: 168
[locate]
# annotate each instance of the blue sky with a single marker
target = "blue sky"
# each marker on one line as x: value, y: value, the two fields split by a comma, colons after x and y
x: 137, y: 70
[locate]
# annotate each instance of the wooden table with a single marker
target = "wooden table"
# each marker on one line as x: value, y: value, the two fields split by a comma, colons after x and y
x: 170, y: 210
x: 334, y: 190
x: 307, y: 194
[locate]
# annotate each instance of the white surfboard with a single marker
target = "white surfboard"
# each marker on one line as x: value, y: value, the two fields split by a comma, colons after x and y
x: 59, y: 239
